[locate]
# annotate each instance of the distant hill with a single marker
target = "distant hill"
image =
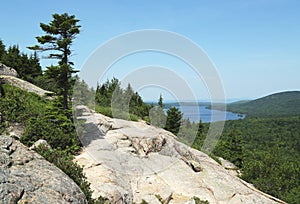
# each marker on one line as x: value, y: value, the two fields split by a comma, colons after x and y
x: 279, y: 104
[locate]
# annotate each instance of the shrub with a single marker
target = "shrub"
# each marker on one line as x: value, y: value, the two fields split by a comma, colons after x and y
x: 199, y: 201
x: 19, y: 105
x: 118, y: 113
x: 58, y: 131
x: 63, y: 160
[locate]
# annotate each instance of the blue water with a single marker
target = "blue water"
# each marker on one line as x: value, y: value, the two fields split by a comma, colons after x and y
x: 195, y: 113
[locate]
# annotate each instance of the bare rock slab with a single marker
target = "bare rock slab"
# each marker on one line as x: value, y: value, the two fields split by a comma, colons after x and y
x: 128, y: 162
x: 26, y: 177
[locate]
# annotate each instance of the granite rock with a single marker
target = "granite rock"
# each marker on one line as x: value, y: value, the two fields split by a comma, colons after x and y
x: 127, y: 162
x: 26, y: 177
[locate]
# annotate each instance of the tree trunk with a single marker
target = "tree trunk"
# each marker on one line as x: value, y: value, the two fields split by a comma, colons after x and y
x: 65, y: 88
x: 65, y: 71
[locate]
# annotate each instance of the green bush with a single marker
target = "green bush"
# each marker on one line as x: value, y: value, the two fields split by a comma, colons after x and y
x: 63, y: 160
x: 199, y: 201
x: 47, y: 120
x: 54, y: 127
x: 42, y: 119
x: 59, y: 133
x: 107, y: 111
x: 19, y: 105
x: 104, y: 110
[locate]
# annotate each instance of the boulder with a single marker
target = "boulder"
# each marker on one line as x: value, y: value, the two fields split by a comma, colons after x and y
x: 26, y: 177
x: 7, y: 71
x: 230, y: 167
x: 40, y: 142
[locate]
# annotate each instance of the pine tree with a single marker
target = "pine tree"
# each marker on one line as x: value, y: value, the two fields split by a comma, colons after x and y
x: 28, y: 68
x: 174, y: 117
x: 130, y: 100
x: 160, y: 101
x: 128, y: 94
x: 101, y: 95
x: 34, y: 68
x: 200, y: 136
x: 83, y: 94
x: 157, y: 115
x: 236, y: 147
x: 12, y: 58
x: 60, y: 33
x: 2, y: 49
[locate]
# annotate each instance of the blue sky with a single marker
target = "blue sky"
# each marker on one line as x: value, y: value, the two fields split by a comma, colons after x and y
x: 254, y: 44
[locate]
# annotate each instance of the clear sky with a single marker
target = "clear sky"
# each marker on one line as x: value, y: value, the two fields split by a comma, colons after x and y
x: 254, y: 44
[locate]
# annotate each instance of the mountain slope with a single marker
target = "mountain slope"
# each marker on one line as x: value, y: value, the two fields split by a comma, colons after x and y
x: 279, y: 104
x: 127, y: 162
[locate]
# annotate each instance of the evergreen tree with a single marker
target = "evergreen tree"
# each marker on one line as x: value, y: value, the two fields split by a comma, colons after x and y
x: 157, y: 115
x: 34, y: 69
x: 132, y: 100
x: 236, y: 147
x: 116, y: 93
x: 104, y: 92
x: 83, y: 94
x: 2, y: 49
x: 113, y: 86
x: 128, y: 94
x: 12, y: 58
x: 187, y: 123
x: 101, y: 95
x: 124, y: 101
x: 160, y: 101
x: 200, y: 128
x: 60, y: 33
x: 174, y: 117
x: 138, y: 107
x: 200, y: 136
x: 28, y: 68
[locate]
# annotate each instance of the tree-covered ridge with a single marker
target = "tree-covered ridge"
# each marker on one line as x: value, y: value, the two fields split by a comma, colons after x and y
x: 114, y: 101
x: 279, y: 104
x: 268, y: 152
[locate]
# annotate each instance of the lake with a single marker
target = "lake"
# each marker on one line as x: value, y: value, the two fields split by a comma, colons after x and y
x: 192, y: 112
